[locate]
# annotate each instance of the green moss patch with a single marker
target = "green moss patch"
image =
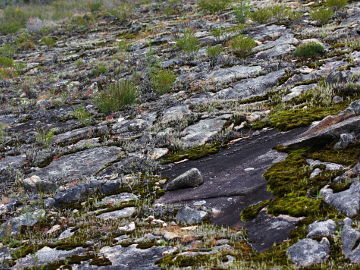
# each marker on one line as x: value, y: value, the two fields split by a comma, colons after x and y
x: 294, y: 206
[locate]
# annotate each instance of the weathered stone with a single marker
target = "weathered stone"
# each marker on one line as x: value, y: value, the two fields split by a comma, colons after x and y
x: 347, y: 201
x: 297, y: 90
x: 321, y: 228
x: 123, y: 213
x: 191, y: 178
x: 328, y: 165
x: 36, y: 184
x: 227, y: 75
x: 116, y: 200
x: 307, y: 252
x: 350, y: 238
x: 190, y: 216
x: 344, y: 141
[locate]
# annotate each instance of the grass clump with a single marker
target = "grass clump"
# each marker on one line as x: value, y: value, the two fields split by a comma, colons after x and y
x: 162, y: 81
x: 214, y: 51
x: 95, y: 5
x: 83, y: 116
x: 45, y: 137
x: 189, y: 43
x: 213, y: 6
x: 336, y: 4
x: 242, y: 10
x: 8, y: 50
x: 116, y: 96
x: 242, y: 46
x: 48, y: 41
x: 309, y: 49
x: 6, y: 62
x: 123, y: 12
x: 262, y: 15
x: 12, y: 21
x: 322, y: 15
x: 272, y: 13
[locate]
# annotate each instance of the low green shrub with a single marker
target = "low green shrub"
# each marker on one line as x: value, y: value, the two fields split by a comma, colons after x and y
x: 322, y: 15
x: 83, y: 116
x: 214, y: 51
x: 242, y: 10
x: 242, y: 46
x: 8, y: 50
x: 6, y: 62
x: 48, y: 41
x: 45, y: 137
x: 309, y: 49
x: 100, y: 69
x: 272, y: 13
x: 162, y: 81
x: 213, y: 6
x: 123, y: 12
x: 262, y: 15
x: 189, y: 43
x: 336, y: 4
x: 12, y: 21
x: 116, y: 96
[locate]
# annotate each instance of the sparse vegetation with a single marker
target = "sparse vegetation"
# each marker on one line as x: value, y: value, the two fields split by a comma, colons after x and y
x: 271, y: 13
x: 162, y: 81
x: 213, y: 6
x: 214, y: 51
x: 116, y: 96
x: 83, y: 116
x: 337, y: 4
x: 95, y: 5
x: 309, y: 49
x: 122, y: 12
x: 322, y: 15
x: 242, y: 46
x: 242, y: 10
x: 45, y: 137
x: 189, y: 43
x: 48, y: 41
x: 12, y: 21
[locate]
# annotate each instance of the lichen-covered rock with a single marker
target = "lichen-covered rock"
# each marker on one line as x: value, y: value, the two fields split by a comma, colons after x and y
x: 307, y: 252
x: 36, y: 184
x: 122, y: 213
x: 321, y: 228
x: 344, y: 141
x: 349, y: 238
x: 347, y: 201
x: 190, y: 178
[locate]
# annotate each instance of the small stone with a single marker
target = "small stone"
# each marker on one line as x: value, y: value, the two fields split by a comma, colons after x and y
x: 123, y: 213
x: 307, y: 252
x: 191, y: 178
x: 349, y: 238
x: 337, y: 100
x: 36, y: 184
x: 54, y: 229
x: 128, y: 228
x: 345, y: 140
x: 190, y: 216
x: 66, y: 234
x: 315, y: 173
x: 321, y: 228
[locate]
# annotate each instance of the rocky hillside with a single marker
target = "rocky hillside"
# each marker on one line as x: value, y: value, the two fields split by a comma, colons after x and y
x: 180, y: 134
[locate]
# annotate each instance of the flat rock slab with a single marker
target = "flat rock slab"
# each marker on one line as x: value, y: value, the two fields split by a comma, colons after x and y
x: 125, y: 258
x: 80, y: 164
x: 232, y: 178
x: 123, y: 213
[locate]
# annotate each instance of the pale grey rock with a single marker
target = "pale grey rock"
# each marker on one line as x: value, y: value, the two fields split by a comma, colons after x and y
x: 285, y: 39
x: 276, y: 51
x: 349, y: 238
x: 315, y: 173
x: 76, y: 135
x: 321, y: 228
x: 344, y: 141
x: 116, y: 200
x: 227, y: 75
x: 66, y: 234
x: 307, y: 252
x: 347, y: 201
x: 189, y: 216
x: 297, y: 90
x: 328, y: 165
x: 124, y: 258
x: 44, y: 256
x: 175, y: 113
x: 190, y: 178
x: 201, y: 132
x: 123, y: 213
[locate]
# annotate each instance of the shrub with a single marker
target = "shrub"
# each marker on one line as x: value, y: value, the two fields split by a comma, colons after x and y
x: 261, y: 15
x: 116, y: 96
x: 162, y: 81
x: 309, y: 49
x: 213, y: 6
x: 242, y: 11
x: 25, y: 42
x: 6, y: 62
x: 189, y: 43
x: 95, y: 6
x: 242, y: 46
x: 337, y: 4
x: 322, y: 15
x: 215, y: 51
x: 48, y: 41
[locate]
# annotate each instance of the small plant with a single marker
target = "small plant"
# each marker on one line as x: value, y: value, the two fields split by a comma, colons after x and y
x: 100, y: 69
x: 162, y: 81
x: 48, y: 41
x: 79, y: 63
x: 123, y: 12
x: 242, y: 46
x: 45, y: 137
x: 262, y: 15
x: 116, y: 96
x: 214, y: 52
x: 25, y: 42
x: 6, y: 62
x: 123, y: 45
x: 7, y: 50
x: 354, y: 44
x: 95, y: 5
x: 336, y: 4
x: 213, y: 6
x: 242, y: 10
x: 189, y: 43
x: 2, y: 133
x: 322, y: 15
x: 83, y: 116
x: 273, y: 12
x: 309, y: 49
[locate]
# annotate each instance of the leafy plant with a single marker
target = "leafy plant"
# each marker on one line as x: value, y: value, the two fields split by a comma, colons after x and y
x: 242, y: 46
x: 116, y: 96
x: 322, y: 15
x: 336, y: 4
x: 213, y: 6
x: 162, y: 81
x: 45, y: 137
x: 189, y: 43
x: 242, y: 10
x: 83, y: 116
x: 309, y: 49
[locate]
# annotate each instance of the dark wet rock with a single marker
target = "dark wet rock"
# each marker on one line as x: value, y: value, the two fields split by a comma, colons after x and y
x: 122, y: 258
x: 344, y: 141
x: 79, y: 192
x: 44, y: 256
x: 201, y: 132
x: 347, y: 201
x: 13, y: 225
x: 190, y: 216
x: 122, y: 213
x: 307, y: 252
x: 78, y: 165
x: 191, y: 178
x: 265, y: 230
x: 36, y: 184
x: 321, y: 228
x: 350, y: 245
x: 251, y: 87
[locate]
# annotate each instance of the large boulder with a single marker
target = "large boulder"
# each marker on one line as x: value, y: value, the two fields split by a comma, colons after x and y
x: 190, y: 178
